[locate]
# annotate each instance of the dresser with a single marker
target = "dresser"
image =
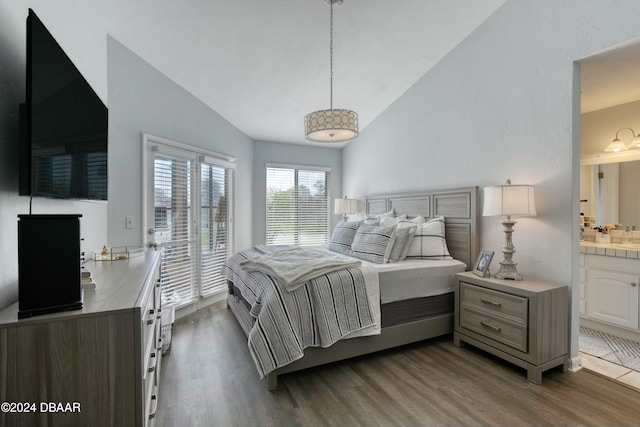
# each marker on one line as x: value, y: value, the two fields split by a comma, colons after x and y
x: 524, y: 322
x: 98, y: 366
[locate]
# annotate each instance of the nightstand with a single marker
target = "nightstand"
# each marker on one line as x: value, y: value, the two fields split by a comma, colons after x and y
x: 523, y: 322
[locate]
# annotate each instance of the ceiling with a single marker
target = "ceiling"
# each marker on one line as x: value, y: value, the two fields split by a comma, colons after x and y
x: 264, y: 64
x: 608, y: 79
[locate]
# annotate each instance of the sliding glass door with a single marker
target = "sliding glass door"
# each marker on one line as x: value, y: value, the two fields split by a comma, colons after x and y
x: 189, y: 216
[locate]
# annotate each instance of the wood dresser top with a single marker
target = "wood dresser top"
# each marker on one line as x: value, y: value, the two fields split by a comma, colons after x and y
x: 118, y: 287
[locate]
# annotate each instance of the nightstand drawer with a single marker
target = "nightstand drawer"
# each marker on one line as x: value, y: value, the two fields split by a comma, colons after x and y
x: 498, y: 302
x: 483, y: 323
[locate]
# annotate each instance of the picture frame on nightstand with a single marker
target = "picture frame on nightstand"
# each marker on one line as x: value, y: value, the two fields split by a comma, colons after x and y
x: 481, y: 267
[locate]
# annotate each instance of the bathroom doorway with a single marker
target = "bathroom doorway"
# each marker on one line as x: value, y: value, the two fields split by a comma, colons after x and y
x: 610, y: 272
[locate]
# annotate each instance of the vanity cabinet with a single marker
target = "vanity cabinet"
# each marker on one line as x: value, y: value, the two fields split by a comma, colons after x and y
x: 612, y: 290
x: 97, y: 366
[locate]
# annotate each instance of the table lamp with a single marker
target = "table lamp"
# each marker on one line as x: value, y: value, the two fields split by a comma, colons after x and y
x: 509, y: 200
x: 345, y: 206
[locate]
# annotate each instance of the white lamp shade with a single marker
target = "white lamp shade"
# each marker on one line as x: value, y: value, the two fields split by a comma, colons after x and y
x: 334, y: 125
x: 509, y: 200
x: 345, y: 206
x: 616, y: 146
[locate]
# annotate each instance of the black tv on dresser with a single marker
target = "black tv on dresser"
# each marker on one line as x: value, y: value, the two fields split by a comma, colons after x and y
x: 49, y: 278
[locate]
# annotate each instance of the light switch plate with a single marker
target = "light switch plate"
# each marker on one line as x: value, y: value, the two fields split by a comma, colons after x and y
x: 129, y: 222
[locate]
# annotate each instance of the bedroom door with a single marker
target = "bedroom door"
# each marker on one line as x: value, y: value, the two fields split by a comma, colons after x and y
x: 190, y: 216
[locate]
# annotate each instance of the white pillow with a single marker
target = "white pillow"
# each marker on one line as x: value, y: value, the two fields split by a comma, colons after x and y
x: 362, y: 216
x: 418, y: 220
x: 429, y: 241
x: 373, y: 243
x: 388, y: 221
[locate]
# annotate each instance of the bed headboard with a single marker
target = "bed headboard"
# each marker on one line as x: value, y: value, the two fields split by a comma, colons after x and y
x: 459, y: 206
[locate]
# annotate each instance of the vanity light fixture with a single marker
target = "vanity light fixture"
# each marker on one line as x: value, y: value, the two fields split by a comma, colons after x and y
x: 345, y: 206
x: 617, y: 145
x: 509, y: 200
x: 332, y: 125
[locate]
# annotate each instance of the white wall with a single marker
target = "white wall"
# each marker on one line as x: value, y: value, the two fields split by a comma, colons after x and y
x: 142, y: 100
x: 629, y: 194
x: 78, y: 27
x: 597, y: 130
x: 501, y: 105
x: 273, y: 152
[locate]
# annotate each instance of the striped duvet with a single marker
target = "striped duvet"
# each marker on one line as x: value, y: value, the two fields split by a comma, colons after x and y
x: 336, y: 305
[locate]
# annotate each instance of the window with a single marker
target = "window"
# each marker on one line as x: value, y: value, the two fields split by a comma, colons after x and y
x: 297, y: 205
x: 189, y: 203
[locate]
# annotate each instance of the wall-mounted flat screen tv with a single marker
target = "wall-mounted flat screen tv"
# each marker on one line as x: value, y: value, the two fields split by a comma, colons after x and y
x: 64, y: 152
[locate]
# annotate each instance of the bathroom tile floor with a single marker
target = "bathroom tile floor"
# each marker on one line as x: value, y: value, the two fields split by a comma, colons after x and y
x: 610, y: 356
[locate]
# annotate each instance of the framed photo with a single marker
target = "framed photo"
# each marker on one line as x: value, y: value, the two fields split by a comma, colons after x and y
x: 481, y: 267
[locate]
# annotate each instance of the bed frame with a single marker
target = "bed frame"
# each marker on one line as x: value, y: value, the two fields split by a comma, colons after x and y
x: 460, y: 209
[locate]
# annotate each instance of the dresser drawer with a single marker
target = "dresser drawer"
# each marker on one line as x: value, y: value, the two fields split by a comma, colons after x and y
x: 497, y: 302
x: 490, y: 326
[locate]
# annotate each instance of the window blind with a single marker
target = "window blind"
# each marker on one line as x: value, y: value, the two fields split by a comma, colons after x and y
x: 297, y: 206
x: 173, y: 188
x: 215, y: 225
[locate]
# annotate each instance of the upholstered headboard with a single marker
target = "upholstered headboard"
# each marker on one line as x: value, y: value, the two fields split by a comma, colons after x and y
x: 459, y: 206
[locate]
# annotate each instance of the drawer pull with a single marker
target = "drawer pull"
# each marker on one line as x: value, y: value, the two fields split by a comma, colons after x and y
x: 633, y: 284
x: 495, y: 328
x: 493, y: 303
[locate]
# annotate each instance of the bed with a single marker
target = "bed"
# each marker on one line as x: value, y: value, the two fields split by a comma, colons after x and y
x: 404, y: 316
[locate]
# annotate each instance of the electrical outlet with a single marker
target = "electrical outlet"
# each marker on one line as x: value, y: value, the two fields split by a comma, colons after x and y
x: 129, y: 222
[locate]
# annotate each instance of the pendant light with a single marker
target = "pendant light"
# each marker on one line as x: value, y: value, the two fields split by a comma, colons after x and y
x: 332, y: 125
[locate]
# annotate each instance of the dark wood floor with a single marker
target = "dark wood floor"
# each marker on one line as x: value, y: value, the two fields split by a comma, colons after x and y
x: 208, y: 379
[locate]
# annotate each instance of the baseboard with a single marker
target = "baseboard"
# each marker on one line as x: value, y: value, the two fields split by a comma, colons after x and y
x: 574, y: 364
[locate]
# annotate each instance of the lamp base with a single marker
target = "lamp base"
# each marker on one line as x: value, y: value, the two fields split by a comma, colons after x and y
x: 507, y: 265
x: 508, y: 271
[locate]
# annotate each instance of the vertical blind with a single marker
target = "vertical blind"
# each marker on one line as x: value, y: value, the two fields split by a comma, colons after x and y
x: 297, y: 206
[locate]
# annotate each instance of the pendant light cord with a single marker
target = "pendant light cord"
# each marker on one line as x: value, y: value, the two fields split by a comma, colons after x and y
x: 331, y: 59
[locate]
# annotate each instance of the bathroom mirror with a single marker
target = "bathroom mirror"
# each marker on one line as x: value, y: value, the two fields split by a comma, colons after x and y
x: 612, y: 192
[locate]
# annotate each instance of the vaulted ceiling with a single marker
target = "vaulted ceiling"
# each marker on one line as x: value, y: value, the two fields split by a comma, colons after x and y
x: 264, y: 64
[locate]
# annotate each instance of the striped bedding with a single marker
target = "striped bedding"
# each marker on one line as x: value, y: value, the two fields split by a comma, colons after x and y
x: 340, y: 304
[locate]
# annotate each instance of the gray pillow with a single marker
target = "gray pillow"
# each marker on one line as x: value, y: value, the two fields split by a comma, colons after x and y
x: 342, y: 237
x: 400, y: 245
x: 373, y: 243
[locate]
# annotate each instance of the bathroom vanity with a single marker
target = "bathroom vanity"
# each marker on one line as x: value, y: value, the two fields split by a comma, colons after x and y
x: 609, y: 282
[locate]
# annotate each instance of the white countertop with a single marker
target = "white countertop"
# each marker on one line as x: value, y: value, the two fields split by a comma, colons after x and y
x: 620, y: 250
